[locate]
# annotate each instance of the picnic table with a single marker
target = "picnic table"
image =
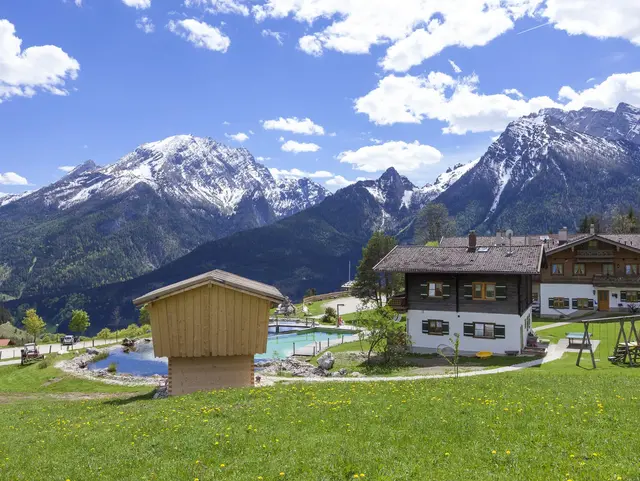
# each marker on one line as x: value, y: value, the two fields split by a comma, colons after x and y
x: 575, y: 338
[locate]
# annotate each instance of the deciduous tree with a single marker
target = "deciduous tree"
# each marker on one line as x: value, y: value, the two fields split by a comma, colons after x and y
x: 145, y: 317
x: 33, y: 323
x: 371, y: 286
x: 79, y: 321
x: 433, y: 223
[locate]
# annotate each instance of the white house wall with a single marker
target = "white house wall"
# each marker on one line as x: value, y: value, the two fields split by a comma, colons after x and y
x: 428, y: 343
x: 570, y: 291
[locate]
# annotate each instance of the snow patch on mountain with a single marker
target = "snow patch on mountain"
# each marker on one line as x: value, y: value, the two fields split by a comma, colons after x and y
x: 194, y: 171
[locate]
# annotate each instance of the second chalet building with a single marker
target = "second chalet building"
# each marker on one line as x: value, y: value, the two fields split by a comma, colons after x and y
x: 483, y: 293
x: 584, y: 272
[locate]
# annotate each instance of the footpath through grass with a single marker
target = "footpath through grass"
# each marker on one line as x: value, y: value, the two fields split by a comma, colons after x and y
x: 529, y: 425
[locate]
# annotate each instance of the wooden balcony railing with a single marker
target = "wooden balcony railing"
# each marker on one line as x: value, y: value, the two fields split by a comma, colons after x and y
x: 599, y: 253
x: 616, y: 281
x: 398, y: 303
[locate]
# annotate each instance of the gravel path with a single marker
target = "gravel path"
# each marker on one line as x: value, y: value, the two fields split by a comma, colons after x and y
x: 551, y: 326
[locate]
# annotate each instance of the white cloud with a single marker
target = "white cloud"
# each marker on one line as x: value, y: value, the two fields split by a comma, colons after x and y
x: 613, y: 19
x: 375, y: 141
x: 200, y: 34
x: 405, y: 157
x: 457, y: 102
x: 297, y: 173
x: 606, y: 95
x: 263, y: 159
x: 24, y: 72
x: 438, y: 96
x: 281, y: 139
x: 252, y: 132
x: 239, y: 137
x: 78, y: 3
x: 591, y: 80
x: 220, y: 6
x: 455, y: 67
x: 145, y: 24
x: 11, y: 178
x: 332, y: 134
x: 226, y: 123
x: 416, y: 29
x: 514, y: 92
x: 296, y: 147
x: 138, y: 4
x: 310, y: 45
x: 66, y: 168
x: 339, y: 181
x: 295, y: 125
x: 277, y: 35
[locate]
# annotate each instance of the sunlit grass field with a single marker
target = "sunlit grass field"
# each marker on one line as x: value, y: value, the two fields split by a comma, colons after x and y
x: 530, y: 425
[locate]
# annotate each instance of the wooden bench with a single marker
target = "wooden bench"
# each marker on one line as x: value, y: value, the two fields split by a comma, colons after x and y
x: 575, y: 338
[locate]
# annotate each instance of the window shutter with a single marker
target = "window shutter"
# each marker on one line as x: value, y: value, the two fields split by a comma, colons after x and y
x: 424, y: 290
x: 425, y: 327
x: 499, y: 331
x: 445, y: 328
x: 574, y: 303
x: 446, y: 290
x: 501, y: 293
x: 566, y: 303
x: 468, y: 291
x: 590, y: 303
x: 468, y: 329
x: 551, y: 302
x: 623, y: 296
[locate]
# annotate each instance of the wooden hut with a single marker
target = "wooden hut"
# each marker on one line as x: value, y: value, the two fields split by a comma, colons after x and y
x: 210, y: 327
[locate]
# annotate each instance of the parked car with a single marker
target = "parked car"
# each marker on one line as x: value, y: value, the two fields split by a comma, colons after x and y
x: 68, y: 340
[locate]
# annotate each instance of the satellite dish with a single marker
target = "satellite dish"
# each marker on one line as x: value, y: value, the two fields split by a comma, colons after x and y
x: 509, y: 234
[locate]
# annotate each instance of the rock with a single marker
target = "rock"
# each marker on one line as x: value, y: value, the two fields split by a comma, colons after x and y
x: 343, y: 372
x: 355, y: 374
x: 318, y: 371
x: 161, y: 393
x: 327, y: 360
x: 92, y: 351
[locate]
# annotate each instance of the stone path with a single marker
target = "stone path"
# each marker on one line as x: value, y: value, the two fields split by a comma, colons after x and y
x: 551, y: 326
x: 13, y: 352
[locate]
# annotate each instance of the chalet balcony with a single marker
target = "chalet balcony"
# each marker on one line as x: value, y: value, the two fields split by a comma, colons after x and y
x: 594, y: 255
x: 398, y: 303
x: 616, y: 281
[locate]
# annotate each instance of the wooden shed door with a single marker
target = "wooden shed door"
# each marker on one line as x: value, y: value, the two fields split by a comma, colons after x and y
x: 603, y: 300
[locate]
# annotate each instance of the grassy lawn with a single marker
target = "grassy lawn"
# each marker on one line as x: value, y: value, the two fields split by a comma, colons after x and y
x: 533, y: 425
x: 411, y: 365
x: 32, y: 379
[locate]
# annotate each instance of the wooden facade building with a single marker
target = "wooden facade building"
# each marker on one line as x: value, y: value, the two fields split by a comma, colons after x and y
x: 210, y: 327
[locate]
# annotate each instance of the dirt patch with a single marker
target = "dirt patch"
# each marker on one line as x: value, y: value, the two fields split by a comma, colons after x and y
x: 66, y: 396
x: 52, y: 381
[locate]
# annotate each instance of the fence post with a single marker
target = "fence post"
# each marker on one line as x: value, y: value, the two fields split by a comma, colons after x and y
x: 93, y: 343
x: 342, y: 339
x: 50, y: 348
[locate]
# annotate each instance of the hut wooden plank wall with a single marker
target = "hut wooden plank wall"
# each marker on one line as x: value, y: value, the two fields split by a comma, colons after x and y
x: 210, y: 327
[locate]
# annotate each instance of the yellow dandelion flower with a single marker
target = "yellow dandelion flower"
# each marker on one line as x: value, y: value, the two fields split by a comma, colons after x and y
x: 508, y: 452
x: 493, y: 452
x: 362, y: 475
x: 222, y: 465
x: 281, y: 473
x: 356, y: 476
x: 446, y: 454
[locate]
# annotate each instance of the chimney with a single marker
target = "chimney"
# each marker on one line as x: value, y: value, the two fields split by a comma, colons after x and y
x: 499, y: 237
x: 592, y: 229
x: 526, y: 239
x: 563, y: 236
x: 472, y: 241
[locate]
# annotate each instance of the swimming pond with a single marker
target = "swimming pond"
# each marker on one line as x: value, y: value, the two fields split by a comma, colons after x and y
x: 142, y: 362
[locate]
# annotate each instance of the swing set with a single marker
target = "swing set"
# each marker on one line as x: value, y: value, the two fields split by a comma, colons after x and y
x: 626, y: 350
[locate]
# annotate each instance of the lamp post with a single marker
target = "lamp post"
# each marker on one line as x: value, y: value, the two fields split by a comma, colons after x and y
x: 338, y: 313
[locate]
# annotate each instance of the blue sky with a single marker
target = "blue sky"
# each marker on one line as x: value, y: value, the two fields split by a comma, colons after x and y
x: 415, y: 84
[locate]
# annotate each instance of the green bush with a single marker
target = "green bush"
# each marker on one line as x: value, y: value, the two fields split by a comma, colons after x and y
x: 330, y: 316
x: 100, y: 356
x: 113, y: 367
x: 49, y: 360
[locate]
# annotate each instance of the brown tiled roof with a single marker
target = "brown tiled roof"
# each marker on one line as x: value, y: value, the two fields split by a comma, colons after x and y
x: 631, y: 241
x: 548, y: 240
x: 216, y: 277
x: 502, y: 259
x: 5, y: 342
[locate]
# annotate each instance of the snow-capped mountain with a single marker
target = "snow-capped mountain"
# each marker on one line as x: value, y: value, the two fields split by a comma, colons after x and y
x: 199, y: 173
x: 103, y: 224
x: 548, y: 169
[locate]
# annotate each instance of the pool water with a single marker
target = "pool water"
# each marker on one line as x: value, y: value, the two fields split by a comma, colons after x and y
x: 142, y: 362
